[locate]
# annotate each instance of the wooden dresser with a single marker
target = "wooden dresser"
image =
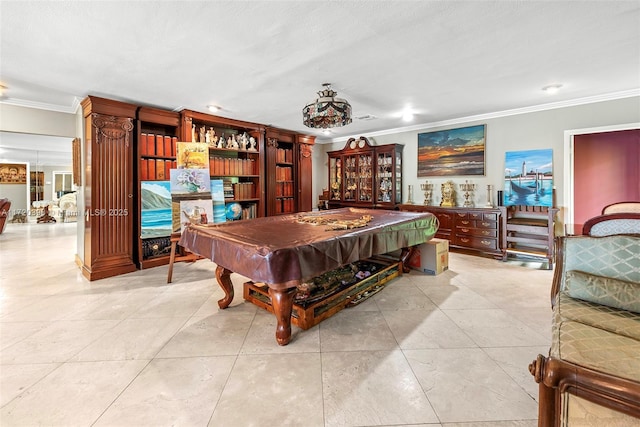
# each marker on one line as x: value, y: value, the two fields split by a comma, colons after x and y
x: 477, y: 229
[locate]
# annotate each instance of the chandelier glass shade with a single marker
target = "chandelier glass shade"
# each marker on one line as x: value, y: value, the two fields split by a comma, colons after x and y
x: 327, y: 111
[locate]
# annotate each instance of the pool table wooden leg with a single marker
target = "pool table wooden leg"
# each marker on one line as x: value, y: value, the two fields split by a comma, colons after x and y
x: 282, y: 301
x: 224, y: 280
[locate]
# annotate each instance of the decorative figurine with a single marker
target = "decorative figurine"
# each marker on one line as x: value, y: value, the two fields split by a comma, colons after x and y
x: 252, y: 144
x: 203, y: 130
x: 448, y: 190
x: 244, y: 140
x: 468, y: 189
x: 220, y: 141
x: 193, y: 134
x: 428, y: 192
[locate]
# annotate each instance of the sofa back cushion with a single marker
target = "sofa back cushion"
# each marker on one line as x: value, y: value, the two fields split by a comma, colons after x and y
x: 616, y: 257
x: 607, y: 291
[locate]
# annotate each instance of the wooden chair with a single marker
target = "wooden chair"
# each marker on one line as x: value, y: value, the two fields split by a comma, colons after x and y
x: 529, y: 230
x: 5, y: 206
x: 620, y: 207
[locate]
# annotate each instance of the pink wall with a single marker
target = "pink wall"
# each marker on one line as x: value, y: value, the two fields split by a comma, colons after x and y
x: 606, y: 170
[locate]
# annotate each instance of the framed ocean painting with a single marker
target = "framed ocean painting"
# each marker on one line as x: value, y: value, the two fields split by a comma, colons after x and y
x: 452, y: 152
x: 528, y: 178
x: 155, y: 204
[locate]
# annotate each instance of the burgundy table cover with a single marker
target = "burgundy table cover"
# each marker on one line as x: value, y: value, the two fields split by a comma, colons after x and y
x: 281, y: 251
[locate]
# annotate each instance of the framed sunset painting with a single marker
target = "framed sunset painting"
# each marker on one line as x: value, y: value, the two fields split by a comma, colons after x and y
x: 452, y: 152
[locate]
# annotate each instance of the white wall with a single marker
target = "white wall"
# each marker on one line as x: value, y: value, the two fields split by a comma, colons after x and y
x: 36, y: 121
x: 542, y: 129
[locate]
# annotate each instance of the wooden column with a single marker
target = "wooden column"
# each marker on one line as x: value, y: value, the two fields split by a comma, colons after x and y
x: 108, y: 192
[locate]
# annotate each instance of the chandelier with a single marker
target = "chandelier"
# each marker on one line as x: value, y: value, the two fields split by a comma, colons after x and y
x: 327, y: 111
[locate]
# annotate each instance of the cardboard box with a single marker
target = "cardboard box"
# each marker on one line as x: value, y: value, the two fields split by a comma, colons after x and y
x: 431, y: 257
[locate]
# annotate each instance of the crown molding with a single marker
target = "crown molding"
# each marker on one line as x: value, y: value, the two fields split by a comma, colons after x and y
x: 505, y: 113
x: 44, y: 106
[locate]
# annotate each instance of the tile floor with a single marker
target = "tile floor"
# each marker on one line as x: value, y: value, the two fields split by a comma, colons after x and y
x: 450, y: 350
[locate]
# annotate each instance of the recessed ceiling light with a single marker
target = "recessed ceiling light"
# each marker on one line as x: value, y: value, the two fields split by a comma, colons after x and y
x: 407, y: 116
x: 551, y: 89
x: 213, y: 108
x: 326, y: 132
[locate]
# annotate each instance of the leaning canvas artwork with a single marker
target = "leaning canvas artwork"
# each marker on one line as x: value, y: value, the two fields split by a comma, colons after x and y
x: 452, y: 152
x: 155, y: 209
x: 528, y: 178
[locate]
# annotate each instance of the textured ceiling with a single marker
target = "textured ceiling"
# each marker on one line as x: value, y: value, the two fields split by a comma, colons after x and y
x: 262, y: 61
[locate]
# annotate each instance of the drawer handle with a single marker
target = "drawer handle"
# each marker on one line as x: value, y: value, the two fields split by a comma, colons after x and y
x: 486, y: 233
x: 475, y: 215
x: 462, y: 215
x: 486, y: 224
x: 486, y: 242
x: 465, y: 240
x: 466, y: 230
x: 465, y: 222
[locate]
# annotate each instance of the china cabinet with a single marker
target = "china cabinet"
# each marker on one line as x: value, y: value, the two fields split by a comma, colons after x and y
x: 364, y: 175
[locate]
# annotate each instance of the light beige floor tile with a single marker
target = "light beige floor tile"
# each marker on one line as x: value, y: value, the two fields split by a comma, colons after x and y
x: 171, y: 304
x: 426, y: 329
x: 515, y: 362
x: 132, y: 339
x: 168, y: 392
x: 466, y: 385
x: 402, y: 295
x: 238, y: 305
x: 261, y: 337
x: 272, y: 390
x: 356, y: 330
x: 11, y: 304
x: 56, y: 343
x: 55, y: 307
x: 219, y: 334
x: 13, y: 332
x: 372, y: 388
x: 454, y: 297
x: 75, y: 394
x: 495, y: 328
x: 16, y: 379
x: 113, y: 306
x: 538, y: 319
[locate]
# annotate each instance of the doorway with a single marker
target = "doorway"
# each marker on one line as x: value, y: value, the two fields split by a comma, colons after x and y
x: 603, y: 168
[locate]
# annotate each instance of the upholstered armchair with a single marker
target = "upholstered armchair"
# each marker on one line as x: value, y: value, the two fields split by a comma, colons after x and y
x: 592, y: 373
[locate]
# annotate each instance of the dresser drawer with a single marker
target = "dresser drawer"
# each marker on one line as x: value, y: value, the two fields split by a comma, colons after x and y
x: 445, y: 220
x: 461, y: 215
x: 487, y: 224
x: 485, y: 243
x: 481, y: 232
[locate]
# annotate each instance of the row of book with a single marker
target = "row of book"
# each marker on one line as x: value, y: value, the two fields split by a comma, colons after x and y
x: 284, y: 189
x: 244, y: 190
x: 249, y: 211
x: 225, y: 166
x: 284, y: 155
x: 284, y: 173
x: 285, y: 206
x: 157, y: 145
x: 156, y: 169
